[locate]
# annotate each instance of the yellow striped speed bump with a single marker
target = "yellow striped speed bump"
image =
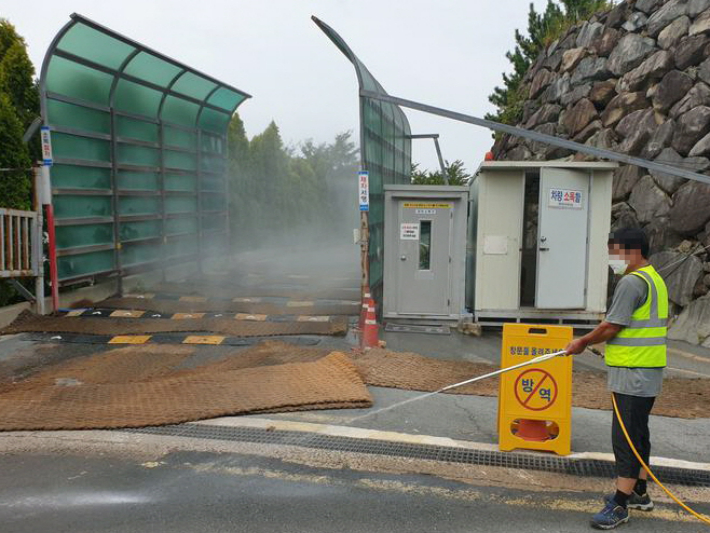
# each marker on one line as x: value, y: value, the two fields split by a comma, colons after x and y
x: 314, y: 318
x: 121, y: 313
x: 204, y: 339
x: 130, y: 339
x: 76, y: 312
x: 195, y: 299
x: 246, y: 316
x: 186, y: 316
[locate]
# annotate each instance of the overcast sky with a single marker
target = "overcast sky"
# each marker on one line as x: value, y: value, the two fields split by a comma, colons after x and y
x: 448, y: 53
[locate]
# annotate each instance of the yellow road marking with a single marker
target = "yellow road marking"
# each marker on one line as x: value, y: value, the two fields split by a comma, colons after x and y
x: 75, y: 312
x: 247, y: 300
x: 127, y: 314
x: 207, y: 339
x: 193, y: 299
x: 130, y: 339
x: 246, y: 316
x: 185, y: 316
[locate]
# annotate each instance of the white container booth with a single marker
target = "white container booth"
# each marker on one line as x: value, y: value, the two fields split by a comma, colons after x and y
x: 537, y: 246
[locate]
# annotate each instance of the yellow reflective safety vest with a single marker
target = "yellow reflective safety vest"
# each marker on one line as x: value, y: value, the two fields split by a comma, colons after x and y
x: 642, y: 344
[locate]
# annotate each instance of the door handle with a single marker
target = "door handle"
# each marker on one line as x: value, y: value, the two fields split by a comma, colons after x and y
x: 403, y: 258
x: 543, y: 249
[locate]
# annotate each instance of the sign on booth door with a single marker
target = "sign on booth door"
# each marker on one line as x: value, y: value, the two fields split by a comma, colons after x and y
x: 562, y: 239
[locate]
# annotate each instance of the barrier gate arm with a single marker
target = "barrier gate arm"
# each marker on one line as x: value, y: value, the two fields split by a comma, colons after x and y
x: 539, y: 137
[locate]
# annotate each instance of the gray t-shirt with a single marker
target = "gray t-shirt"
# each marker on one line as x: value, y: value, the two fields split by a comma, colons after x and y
x: 630, y: 294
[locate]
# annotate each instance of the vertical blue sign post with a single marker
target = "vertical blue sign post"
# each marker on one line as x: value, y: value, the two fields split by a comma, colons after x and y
x: 364, y: 190
x: 47, y: 158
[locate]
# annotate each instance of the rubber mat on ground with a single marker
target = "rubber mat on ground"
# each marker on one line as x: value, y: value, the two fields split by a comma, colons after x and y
x: 28, y: 322
x: 89, y: 394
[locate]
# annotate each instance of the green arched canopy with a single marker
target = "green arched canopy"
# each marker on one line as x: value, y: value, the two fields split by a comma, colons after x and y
x: 139, y: 140
x: 385, y: 149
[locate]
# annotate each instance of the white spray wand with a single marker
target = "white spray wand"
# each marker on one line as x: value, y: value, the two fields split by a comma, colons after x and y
x: 535, y: 360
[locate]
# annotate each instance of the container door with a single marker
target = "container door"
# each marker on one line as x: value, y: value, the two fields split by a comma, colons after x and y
x: 424, y: 259
x: 562, y: 236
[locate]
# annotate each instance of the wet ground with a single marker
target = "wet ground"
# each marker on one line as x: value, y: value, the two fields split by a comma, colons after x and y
x: 122, y: 481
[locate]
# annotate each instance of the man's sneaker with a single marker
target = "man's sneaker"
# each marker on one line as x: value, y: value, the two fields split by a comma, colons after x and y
x: 611, y: 516
x: 642, y: 503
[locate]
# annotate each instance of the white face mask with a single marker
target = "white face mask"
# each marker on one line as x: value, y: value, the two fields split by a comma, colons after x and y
x: 618, y: 265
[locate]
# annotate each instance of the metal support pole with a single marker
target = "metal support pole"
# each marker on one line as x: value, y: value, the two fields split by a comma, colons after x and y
x: 600, y: 153
x: 52, y: 245
x: 37, y: 242
x: 115, y: 204
x: 444, y: 174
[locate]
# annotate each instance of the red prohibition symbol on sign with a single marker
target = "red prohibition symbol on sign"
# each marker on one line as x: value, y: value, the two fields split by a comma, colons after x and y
x: 531, y: 394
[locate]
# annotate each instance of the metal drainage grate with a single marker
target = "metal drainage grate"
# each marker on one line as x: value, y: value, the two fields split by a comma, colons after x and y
x: 560, y: 465
x: 434, y: 329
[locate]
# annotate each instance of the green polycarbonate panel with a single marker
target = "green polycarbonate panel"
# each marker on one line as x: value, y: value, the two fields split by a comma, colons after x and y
x: 75, y: 206
x: 212, y: 144
x: 194, y: 85
x: 179, y: 138
x: 225, y: 98
x: 213, y: 222
x: 143, y: 229
x: 74, y: 147
x: 78, y: 117
x: 180, y: 160
x: 137, y: 99
x: 213, y: 184
x: 135, y: 254
x: 88, y: 43
x: 152, y: 69
x: 179, y: 246
x: 214, y: 121
x: 84, y: 235
x: 138, y: 205
x: 214, y: 202
x: 77, y: 81
x: 180, y: 204
x: 129, y: 128
x: 76, y: 177
x: 129, y: 154
x: 213, y: 164
x: 128, y: 180
x: 180, y: 182
x: 180, y: 111
x: 175, y: 226
x: 85, y: 264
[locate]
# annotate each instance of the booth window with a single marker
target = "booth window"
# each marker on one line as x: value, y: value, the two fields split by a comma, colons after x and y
x: 425, y: 245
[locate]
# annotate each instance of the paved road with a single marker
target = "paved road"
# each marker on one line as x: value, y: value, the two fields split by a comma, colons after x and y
x: 189, y: 491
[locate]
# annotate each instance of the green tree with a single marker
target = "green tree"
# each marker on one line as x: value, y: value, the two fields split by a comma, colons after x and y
x: 543, y: 28
x: 19, y: 105
x: 455, y: 171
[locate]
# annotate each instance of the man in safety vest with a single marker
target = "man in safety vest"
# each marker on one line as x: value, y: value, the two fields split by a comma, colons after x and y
x: 635, y: 334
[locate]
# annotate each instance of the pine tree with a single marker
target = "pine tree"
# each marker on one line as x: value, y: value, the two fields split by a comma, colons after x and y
x: 542, y: 29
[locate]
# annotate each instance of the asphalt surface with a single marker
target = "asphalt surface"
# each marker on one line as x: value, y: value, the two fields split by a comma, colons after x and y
x: 206, y: 492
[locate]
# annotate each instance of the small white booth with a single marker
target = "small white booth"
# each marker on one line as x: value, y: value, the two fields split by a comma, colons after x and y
x: 538, y: 236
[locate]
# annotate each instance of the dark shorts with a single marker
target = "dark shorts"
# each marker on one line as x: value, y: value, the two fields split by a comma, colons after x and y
x: 634, y: 411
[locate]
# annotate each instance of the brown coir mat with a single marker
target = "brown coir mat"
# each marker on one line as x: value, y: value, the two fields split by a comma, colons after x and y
x: 86, y: 395
x: 680, y: 398
x: 28, y: 322
x: 227, y: 306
